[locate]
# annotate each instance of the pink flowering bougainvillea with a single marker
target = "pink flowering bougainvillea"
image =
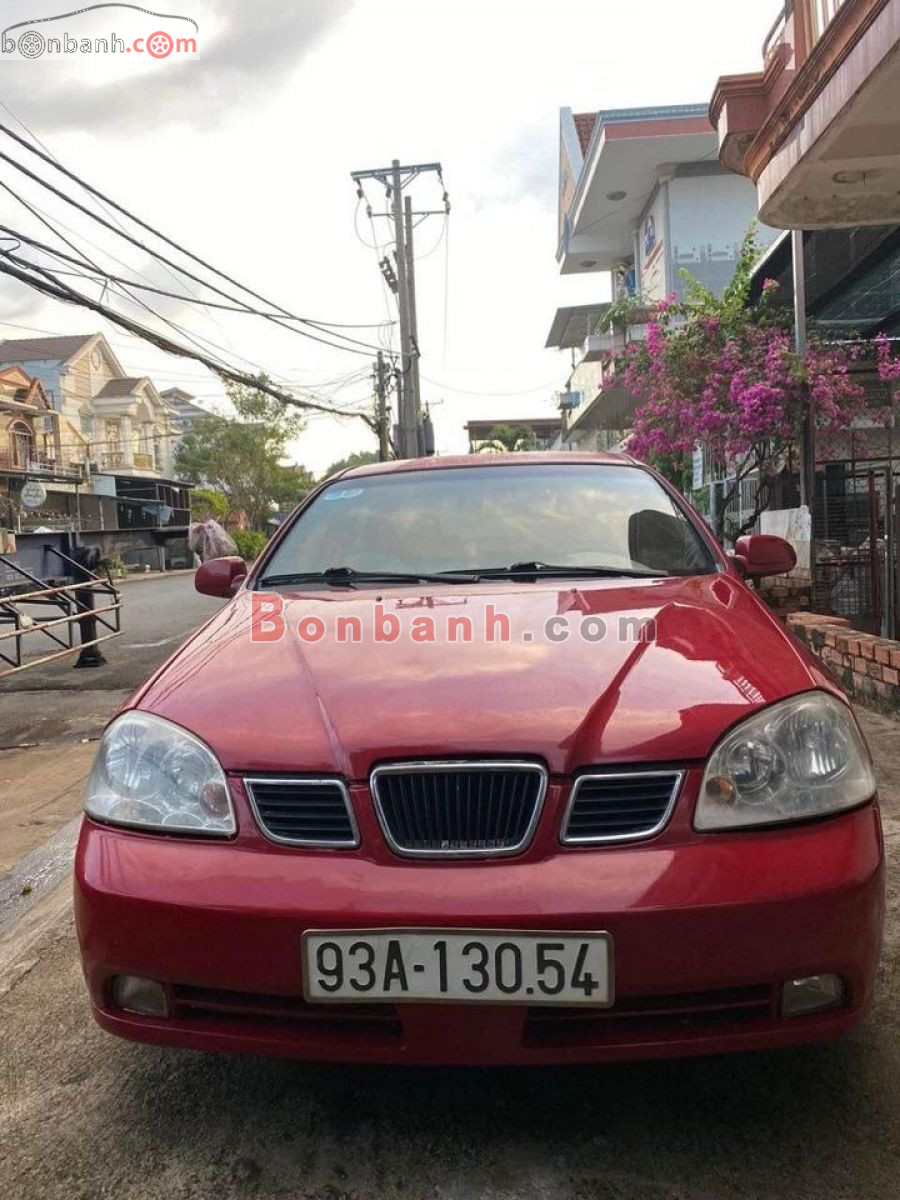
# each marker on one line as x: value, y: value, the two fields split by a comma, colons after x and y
x: 723, y: 374
x: 888, y: 365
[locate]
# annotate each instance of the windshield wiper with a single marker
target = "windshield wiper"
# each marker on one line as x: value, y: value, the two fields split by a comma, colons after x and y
x: 350, y: 577
x: 534, y: 570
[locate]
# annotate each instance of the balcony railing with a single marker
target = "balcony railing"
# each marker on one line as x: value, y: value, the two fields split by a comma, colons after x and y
x: 816, y: 16
x: 40, y: 464
x: 777, y: 35
x: 820, y: 14
x: 115, y: 461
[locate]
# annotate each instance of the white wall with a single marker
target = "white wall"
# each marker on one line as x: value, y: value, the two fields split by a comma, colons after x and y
x: 709, y: 215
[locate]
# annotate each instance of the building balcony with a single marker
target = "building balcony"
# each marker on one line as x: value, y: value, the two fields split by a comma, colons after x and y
x: 42, y: 466
x: 618, y: 176
x: 817, y: 129
x: 600, y: 346
x: 116, y: 460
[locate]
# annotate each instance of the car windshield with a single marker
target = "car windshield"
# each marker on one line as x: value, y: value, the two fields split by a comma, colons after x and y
x: 464, y: 521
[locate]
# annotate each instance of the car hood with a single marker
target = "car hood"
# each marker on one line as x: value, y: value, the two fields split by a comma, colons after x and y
x: 339, y: 707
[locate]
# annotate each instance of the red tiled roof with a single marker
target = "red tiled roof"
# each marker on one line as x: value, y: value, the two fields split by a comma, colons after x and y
x: 584, y: 127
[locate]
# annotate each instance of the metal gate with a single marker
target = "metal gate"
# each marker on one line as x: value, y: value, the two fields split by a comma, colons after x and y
x: 855, y: 528
x: 39, y: 620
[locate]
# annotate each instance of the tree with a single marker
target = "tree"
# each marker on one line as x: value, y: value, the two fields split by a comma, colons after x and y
x: 292, y: 484
x: 361, y: 458
x: 207, y: 503
x: 722, y: 373
x: 506, y: 439
x: 241, y: 457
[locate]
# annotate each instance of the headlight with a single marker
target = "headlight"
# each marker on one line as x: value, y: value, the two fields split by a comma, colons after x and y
x: 150, y: 774
x: 801, y: 758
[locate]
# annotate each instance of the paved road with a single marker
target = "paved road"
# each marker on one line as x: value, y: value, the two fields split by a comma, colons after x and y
x: 56, y: 700
x: 157, y: 613
x: 46, y: 713
x: 84, y: 1116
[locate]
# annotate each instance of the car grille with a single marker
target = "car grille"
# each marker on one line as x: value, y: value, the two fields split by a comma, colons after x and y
x: 479, y: 808
x: 365, y: 1023
x: 304, y: 812
x: 645, y: 1017
x: 618, y: 807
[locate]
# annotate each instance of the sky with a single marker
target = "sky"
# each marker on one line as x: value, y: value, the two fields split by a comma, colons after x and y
x: 242, y: 153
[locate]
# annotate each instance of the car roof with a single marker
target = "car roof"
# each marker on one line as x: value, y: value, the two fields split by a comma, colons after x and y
x: 521, y: 458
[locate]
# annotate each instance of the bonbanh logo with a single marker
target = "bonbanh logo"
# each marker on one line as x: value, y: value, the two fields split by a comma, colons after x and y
x: 32, y: 43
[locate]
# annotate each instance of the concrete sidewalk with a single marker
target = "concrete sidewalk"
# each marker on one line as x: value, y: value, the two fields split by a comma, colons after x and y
x: 40, y: 790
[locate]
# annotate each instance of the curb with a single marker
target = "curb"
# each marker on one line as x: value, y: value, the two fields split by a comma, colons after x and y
x: 154, y: 575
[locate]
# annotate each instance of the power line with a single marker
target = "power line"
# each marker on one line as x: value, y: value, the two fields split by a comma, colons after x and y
x: 163, y: 374
x: 34, y: 137
x: 401, y: 281
x: 155, y: 254
x: 45, y: 220
x: 132, y: 283
x: 167, y: 240
x: 517, y: 392
x: 61, y: 291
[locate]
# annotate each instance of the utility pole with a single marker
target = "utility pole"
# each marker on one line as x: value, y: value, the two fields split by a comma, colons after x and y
x: 410, y: 439
x: 381, y: 412
x: 808, y: 436
x: 415, y: 388
x: 808, y: 427
x: 409, y: 433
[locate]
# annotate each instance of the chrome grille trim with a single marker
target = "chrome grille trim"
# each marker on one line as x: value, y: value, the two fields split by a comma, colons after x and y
x: 297, y: 783
x: 461, y: 766
x: 655, y: 827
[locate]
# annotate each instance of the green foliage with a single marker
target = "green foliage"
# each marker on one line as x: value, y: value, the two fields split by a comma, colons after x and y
x: 291, y: 485
x: 206, y: 503
x: 506, y: 439
x: 250, y: 543
x: 361, y: 458
x: 732, y: 310
x: 627, y: 310
x: 113, y: 565
x: 720, y: 372
x: 700, y: 497
x: 241, y: 458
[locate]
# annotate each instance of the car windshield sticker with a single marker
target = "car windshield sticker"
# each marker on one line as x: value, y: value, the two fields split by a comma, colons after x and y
x: 343, y: 494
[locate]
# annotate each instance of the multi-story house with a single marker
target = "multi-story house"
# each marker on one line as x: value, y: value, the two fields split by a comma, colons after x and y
x: 30, y: 435
x: 642, y: 199
x: 100, y: 442
x: 127, y: 425
x: 815, y: 129
x: 185, y: 412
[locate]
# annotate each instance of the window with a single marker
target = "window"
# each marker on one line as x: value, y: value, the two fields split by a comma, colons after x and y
x: 821, y: 14
x: 22, y: 444
x: 466, y: 518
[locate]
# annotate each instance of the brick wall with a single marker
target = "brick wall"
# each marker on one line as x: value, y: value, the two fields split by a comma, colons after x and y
x: 867, y: 666
x: 787, y: 594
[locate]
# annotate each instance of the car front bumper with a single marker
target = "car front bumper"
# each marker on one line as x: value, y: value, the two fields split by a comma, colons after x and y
x: 706, y: 933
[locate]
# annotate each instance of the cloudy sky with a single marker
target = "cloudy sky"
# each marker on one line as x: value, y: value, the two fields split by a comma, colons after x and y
x: 242, y: 154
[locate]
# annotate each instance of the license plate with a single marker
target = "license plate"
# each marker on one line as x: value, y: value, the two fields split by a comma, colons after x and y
x: 454, y: 966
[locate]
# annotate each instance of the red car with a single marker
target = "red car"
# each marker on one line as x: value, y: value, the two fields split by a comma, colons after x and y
x: 486, y: 760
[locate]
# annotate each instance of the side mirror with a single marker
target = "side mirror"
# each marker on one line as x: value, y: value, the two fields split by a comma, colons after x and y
x: 220, y: 576
x: 759, y: 554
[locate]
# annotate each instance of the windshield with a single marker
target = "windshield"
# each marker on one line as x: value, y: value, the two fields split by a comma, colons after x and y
x: 471, y: 519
